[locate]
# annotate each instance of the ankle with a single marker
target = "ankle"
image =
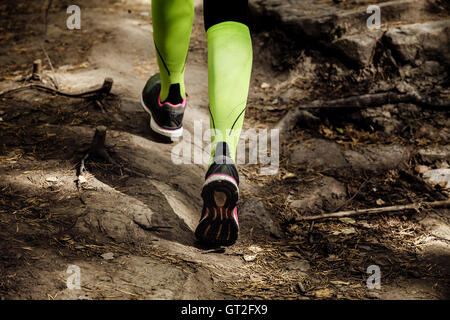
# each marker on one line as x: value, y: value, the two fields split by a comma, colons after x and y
x: 174, y: 95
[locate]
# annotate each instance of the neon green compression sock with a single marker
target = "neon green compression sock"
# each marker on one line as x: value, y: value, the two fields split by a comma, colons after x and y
x: 172, y: 26
x: 229, y: 70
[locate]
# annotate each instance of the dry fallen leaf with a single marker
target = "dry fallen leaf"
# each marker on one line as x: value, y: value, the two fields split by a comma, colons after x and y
x: 344, y: 231
x: 289, y: 175
x: 347, y: 220
x: 421, y: 169
x: 323, y: 293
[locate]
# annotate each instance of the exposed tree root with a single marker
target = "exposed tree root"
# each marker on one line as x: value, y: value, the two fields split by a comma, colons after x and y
x: 359, y: 102
x: 103, y: 90
x: 98, y: 149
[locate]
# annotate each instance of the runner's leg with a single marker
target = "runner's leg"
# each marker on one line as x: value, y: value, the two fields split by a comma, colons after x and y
x: 172, y: 26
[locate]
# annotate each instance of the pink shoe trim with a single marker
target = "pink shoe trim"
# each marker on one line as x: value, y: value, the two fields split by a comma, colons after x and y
x: 182, y: 104
x: 236, y: 215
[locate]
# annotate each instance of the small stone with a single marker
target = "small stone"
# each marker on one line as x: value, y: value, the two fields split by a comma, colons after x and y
x: 108, y: 256
x: 82, y: 179
x: 440, y: 177
x: 250, y: 257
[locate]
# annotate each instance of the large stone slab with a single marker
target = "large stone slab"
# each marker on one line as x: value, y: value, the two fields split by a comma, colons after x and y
x: 421, y: 41
x: 320, y: 154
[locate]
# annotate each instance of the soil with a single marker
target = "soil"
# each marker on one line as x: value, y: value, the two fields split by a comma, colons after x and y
x: 129, y: 227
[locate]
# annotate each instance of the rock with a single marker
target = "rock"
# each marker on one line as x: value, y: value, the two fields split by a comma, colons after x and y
x: 324, y: 194
x: 381, y: 118
x: 421, y: 41
x: 358, y: 48
x: 250, y: 257
x: 82, y: 179
x: 377, y: 158
x: 323, y: 154
x: 345, y: 28
x: 440, y: 177
x: 256, y: 222
x: 432, y: 68
x: 318, y: 153
x: 432, y: 154
x: 322, y: 19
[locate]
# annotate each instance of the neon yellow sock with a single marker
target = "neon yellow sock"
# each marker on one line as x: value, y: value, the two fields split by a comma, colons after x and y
x: 172, y: 27
x: 229, y: 70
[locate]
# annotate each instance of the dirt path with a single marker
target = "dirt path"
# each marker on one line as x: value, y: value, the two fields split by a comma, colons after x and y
x: 109, y: 226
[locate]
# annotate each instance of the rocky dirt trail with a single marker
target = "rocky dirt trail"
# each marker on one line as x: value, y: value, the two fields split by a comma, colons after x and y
x: 129, y: 228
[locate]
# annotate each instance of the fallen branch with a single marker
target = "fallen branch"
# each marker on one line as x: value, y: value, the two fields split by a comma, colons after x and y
x: 360, y: 102
x: 397, y: 208
x: 103, y: 90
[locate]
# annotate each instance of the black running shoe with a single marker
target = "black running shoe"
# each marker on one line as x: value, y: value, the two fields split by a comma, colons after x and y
x: 166, y: 117
x: 219, y: 223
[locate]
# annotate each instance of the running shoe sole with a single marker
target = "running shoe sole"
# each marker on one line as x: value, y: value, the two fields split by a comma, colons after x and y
x: 219, y: 224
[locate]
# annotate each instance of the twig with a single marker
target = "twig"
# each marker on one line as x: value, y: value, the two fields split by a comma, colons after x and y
x: 361, y: 102
x: 53, y: 78
x: 103, y: 90
x: 397, y: 208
